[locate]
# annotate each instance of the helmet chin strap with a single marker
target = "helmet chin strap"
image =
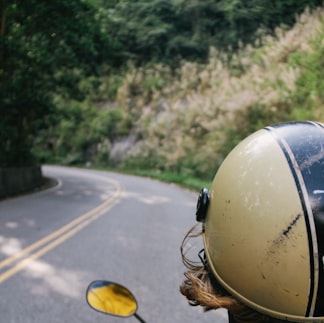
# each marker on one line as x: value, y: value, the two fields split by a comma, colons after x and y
x: 203, y: 259
x: 231, y: 318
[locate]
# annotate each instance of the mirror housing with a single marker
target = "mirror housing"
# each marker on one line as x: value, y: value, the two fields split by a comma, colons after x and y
x: 111, y: 298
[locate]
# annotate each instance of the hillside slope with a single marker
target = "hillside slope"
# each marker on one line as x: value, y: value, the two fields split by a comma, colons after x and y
x: 187, y: 120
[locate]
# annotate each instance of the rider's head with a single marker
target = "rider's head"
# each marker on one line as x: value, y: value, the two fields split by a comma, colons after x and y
x: 263, y: 229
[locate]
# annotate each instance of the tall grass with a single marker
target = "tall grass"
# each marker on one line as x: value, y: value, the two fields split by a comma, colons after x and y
x: 188, y: 120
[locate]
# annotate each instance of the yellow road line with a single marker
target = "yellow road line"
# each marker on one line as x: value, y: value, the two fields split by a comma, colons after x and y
x: 58, y: 237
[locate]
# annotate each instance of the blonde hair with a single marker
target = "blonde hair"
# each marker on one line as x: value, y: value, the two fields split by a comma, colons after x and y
x: 201, y: 288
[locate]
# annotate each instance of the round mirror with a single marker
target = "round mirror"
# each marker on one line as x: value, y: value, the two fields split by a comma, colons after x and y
x: 111, y: 298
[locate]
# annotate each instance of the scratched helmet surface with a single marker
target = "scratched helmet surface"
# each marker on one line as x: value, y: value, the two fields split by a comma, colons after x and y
x: 264, y: 227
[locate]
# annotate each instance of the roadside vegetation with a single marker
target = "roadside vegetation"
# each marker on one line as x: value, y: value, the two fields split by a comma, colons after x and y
x: 175, y: 114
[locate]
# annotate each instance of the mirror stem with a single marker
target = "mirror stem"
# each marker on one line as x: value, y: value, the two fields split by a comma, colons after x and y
x: 139, y: 318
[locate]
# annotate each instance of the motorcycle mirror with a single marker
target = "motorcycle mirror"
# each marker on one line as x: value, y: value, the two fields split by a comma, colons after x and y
x: 111, y: 298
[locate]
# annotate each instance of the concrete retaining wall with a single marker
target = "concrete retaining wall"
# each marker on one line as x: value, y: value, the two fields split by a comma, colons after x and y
x: 18, y: 180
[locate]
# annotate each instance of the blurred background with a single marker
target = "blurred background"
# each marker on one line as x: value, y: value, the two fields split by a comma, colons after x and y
x: 160, y: 87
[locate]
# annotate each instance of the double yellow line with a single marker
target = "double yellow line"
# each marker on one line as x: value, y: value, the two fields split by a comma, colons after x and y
x: 24, y: 257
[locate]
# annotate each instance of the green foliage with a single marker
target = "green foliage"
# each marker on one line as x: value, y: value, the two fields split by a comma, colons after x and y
x: 147, y: 160
x: 78, y: 76
x: 45, y: 48
x: 83, y: 134
x: 309, y: 98
x: 143, y: 28
x: 168, y: 31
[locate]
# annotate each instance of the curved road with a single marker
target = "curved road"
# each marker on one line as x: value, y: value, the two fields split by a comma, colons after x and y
x: 95, y: 225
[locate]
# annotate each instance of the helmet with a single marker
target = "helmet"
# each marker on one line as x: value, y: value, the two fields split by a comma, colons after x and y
x: 263, y: 222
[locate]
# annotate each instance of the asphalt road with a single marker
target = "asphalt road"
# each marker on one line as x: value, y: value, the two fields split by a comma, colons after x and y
x: 95, y: 225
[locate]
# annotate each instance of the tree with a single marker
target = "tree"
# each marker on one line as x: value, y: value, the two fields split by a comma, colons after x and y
x: 168, y: 31
x: 143, y: 28
x: 244, y: 19
x: 46, y: 47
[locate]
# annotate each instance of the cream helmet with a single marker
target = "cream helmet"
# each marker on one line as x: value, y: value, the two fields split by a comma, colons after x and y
x: 263, y: 222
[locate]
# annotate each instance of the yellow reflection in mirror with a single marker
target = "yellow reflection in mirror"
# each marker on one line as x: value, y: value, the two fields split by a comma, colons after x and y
x: 111, y: 298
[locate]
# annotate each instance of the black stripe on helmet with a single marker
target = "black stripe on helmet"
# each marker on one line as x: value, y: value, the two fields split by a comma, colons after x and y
x: 303, y: 146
